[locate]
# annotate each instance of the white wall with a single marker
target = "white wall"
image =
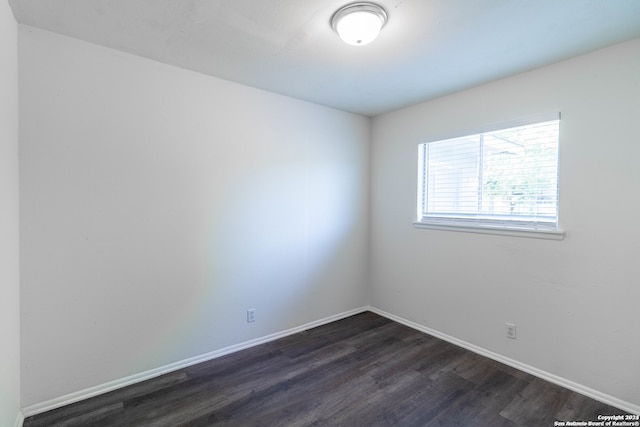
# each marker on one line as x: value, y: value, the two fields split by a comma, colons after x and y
x: 575, y: 302
x: 9, y: 225
x: 158, y: 205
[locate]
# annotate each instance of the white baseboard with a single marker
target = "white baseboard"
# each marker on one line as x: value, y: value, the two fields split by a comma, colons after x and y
x: 563, y: 382
x: 19, y: 420
x: 133, y: 379
x: 61, y: 401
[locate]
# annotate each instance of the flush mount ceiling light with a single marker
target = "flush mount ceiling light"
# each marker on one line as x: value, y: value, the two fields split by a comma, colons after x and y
x: 359, y: 23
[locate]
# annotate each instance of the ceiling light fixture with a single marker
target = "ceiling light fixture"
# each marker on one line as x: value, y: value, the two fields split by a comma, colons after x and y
x: 360, y: 23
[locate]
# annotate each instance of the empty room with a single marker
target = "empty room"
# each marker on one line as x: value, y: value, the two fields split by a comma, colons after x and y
x: 249, y: 212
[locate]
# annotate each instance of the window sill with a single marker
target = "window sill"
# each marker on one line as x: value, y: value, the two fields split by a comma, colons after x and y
x: 500, y: 231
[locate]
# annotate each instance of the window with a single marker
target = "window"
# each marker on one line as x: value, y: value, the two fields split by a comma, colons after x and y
x: 505, y: 179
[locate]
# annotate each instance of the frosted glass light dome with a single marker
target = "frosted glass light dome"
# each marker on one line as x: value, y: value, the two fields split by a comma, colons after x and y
x: 358, y: 24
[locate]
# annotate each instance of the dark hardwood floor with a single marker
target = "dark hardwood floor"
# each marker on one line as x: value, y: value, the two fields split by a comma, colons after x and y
x: 365, y: 370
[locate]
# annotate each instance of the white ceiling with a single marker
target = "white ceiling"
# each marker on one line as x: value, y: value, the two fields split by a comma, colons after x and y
x: 428, y: 48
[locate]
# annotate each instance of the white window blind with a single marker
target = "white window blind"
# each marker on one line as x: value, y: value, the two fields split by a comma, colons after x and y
x: 503, y: 178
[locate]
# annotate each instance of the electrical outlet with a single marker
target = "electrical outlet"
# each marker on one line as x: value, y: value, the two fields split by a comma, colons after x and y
x: 251, y: 315
x: 511, y: 330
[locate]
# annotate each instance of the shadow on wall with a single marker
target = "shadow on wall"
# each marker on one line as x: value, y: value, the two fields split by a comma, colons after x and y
x: 282, y: 242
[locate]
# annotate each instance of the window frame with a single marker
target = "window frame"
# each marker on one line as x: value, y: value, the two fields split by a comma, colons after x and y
x: 545, y: 230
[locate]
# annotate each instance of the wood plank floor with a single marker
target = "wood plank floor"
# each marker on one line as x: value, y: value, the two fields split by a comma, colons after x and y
x: 365, y: 370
